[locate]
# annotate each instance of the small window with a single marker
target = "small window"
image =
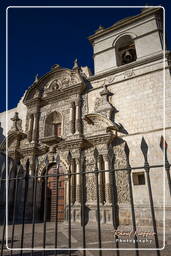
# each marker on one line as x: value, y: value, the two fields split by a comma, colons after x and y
x: 57, y: 129
x: 138, y: 178
x: 53, y: 124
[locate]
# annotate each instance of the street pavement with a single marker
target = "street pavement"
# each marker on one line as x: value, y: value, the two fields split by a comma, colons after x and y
x: 126, y: 240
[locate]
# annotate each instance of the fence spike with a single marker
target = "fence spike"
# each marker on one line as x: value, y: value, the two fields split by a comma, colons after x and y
x: 126, y: 148
x: 10, y: 163
x: 37, y: 162
x: 69, y: 157
x: 96, y: 153
x: 27, y: 164
x: 57, y: 158
x: 163, y: 143
x: 3, y: 168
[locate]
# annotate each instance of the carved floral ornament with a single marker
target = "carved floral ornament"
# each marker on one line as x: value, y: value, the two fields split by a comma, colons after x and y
x: 62, y: 82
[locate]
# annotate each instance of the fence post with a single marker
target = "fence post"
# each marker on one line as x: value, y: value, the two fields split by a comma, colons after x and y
x: 9, y: 175
x: 57, y: 159
x: 96, y: 171
x: 163, y: 146
x: 26, y: 178
x: 129, y: 170
x: 15, y: 202
x: 34, y: 201
x: 114, y: 195
x: 144, y: 149
x: 45, y: 203
x: 69, y: 158
x: 82, y: 164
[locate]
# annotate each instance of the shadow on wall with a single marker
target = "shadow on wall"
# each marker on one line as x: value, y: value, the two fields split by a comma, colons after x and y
x: 2, y: 137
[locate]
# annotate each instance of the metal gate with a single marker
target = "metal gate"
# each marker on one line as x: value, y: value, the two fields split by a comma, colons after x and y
x: 18, y: 189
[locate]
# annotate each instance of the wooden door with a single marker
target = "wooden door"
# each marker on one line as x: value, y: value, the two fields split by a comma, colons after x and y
x: 56, y: 209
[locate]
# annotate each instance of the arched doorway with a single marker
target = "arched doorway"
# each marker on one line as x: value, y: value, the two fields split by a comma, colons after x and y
x: 54, y: 195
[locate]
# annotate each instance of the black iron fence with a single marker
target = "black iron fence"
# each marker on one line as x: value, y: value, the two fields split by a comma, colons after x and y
x: 22, y: 202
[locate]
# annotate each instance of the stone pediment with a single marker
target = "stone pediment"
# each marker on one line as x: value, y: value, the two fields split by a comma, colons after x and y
x: 58, y: 80
x: 61, y: 81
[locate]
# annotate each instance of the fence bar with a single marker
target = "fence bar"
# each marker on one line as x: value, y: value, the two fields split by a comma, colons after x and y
x: 34, y: 206
x: 56, y: 203
x: 14, y: 206
x: 164, y: 146
x: 100, y: 171
x: 147, y: 170
x: 24, y: 206
x: 131, y: 197
x: 144, y: 148
x: 45, y: 206
x: 82, y: 161
x: 4, y: 221
x: 69, y: 158
x: 114, y: 196
x: 97, y: 198
x: 2, y: 172
x: 167, y: 168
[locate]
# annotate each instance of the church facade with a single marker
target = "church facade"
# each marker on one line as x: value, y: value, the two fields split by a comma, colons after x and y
x: 77, y: 111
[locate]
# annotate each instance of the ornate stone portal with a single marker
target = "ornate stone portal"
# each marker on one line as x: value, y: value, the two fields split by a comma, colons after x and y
x: 58, y: 121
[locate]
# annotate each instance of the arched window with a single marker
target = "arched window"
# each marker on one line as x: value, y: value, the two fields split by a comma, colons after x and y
x: 125, y: 50
x: 53, y: 125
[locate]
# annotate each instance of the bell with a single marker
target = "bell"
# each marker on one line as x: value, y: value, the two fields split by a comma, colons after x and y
x: 127, y: 57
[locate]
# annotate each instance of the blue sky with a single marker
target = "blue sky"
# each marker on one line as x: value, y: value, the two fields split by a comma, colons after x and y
x: 40, y: 38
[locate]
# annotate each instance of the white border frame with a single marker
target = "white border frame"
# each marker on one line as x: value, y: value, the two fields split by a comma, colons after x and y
x: 164, y: 94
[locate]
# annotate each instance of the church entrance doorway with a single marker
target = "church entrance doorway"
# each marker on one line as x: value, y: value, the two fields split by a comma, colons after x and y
x: 55, y: 197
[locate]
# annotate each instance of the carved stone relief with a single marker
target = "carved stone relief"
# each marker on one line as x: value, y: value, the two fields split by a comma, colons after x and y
x: 84, y: 104
x: 62, y: 81
x: 129, y: 73
x: 121, y: 176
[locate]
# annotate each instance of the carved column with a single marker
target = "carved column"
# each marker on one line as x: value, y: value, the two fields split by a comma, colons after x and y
x: 100, y: 182
x: 78, y: 116
x: 36, y: 127
x: 108, y: 195
x: 66, y: 192
x: 72, y: 117
x: 78, y: 187
x: 73, y: 183
x: 30, y: 126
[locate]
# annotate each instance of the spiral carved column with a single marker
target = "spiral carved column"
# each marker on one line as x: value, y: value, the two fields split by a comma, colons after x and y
x: 101, y: 198
x: 108, y: 188
x: 72, y: 117
x: 78, y: 117
x: 78, y: 186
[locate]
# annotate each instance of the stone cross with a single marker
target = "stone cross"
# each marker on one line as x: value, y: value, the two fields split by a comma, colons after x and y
x: 16, y: 123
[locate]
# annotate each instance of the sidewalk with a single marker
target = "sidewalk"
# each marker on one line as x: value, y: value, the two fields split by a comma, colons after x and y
x: 91, y: 237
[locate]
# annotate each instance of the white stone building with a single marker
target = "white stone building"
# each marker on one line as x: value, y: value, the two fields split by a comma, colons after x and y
x: 122, y: 102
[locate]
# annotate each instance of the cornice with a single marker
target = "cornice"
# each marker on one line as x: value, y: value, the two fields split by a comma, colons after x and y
x: 126, y: 67
x: 100, y: 139
x: 123, y: 23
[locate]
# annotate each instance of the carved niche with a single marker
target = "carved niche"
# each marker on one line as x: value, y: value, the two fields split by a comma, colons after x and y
x: 102, y: 104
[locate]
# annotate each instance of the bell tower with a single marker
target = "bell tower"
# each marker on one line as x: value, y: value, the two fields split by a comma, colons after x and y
x: 128, y: 41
